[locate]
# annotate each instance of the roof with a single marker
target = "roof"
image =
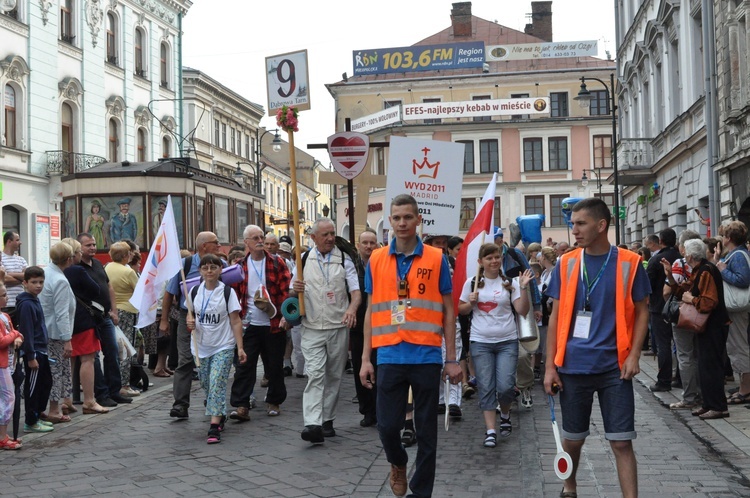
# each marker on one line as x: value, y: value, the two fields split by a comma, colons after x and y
x: 490, y: 33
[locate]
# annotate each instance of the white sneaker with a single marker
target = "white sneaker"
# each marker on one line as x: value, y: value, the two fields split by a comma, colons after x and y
x: 526, y: 399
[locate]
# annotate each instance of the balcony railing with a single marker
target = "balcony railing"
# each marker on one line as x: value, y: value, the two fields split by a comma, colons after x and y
x: 60, y: 162
x: 112, y: 59
x: 635, y: 154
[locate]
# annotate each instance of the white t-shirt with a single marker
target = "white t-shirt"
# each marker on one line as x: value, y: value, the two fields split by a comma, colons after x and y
x: 256, y: 275
x: 14, y: 264
x: 213, y: 328
x: 492, y: 320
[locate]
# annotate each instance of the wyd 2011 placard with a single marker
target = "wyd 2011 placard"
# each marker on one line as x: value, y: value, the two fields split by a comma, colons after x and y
x: 418, y: 58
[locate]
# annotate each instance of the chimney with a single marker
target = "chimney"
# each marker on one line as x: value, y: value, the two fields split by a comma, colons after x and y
x: 461, y: 19
x: 541, y: 21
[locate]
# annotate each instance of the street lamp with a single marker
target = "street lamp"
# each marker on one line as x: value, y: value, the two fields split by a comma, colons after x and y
x: 258, y: 162
x: 585, y: 181
x: 584, y: 98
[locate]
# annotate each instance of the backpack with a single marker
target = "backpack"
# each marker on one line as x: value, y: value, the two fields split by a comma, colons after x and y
x: 346, y: 248
x: 227, y: 293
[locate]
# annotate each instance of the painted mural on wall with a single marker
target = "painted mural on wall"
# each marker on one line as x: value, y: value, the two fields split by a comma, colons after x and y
x: 112, y: 218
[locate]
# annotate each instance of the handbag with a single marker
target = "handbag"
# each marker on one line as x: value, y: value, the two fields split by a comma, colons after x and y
x: 691, y: 319
x: 736, y: 298
x: 671, y: 311
x: 96, y: 310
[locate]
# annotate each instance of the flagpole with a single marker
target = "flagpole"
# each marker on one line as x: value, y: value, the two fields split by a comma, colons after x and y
x: 479, y: 266
x: 189, y: 306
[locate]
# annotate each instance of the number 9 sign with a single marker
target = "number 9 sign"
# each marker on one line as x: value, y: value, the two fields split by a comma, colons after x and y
x: 288, y: 81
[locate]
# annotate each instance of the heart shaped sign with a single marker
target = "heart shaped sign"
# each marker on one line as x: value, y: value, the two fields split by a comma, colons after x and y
x: 349, y: 152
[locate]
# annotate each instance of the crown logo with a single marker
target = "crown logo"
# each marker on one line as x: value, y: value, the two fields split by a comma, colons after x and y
x: 426, y: 170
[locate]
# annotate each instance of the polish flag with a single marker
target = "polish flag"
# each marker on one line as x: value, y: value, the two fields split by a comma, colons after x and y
x: 466, y: 261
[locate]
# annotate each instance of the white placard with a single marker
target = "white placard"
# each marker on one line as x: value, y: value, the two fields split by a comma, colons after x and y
x: 288, y: 81
x: 552, y: 50
x: 348, y: 152
x: 41, y: 239
x: 377, y: 120
x: 475, y: 108
x: 431, y: 171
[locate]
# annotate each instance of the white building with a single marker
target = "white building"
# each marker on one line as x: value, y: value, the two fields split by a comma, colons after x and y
x: 83, y: 82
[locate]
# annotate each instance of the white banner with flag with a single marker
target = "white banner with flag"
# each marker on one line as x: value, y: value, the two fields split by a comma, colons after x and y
x: 466, y: 262
x: 162, y: 264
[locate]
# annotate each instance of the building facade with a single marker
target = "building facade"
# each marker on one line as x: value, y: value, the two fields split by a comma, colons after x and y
x: 83, y: 83
x: 540, y: 159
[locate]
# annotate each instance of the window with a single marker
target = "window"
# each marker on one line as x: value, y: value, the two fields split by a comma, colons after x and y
x: 66, y: 21
x: 520, y: 96
x: 468, y: 213
x: 163, y: 65
x: 602, y: 151
x: 468, y: 156
x: 381, y: 161
x: 555, y: 210
x: 558, y: 153
x: 10, y: 117
x: 217, y: 134
x: 140, y: 68
x: 278, y: 199
x: 12, y: 13
x: 233, y: 140
x: 166, y: 147
x: 532, y: 154
x: 488, y: 157
x: 270, y: 192
x: 432, y: 121
x: 238, y: 150
x: 497, y: 212
x: 599, y: 105
x: 534, y: 204
x: 66, y: 119
x: 247, y: 146
x: 221, y: 219
x: 391, y: 103
x: 224, y: 136
x: 113, y: 141
x: 111, y: 39
x: 608, y: 198
x: 141, y: 146
x: 242, y: 217
x: 200, y: 215
x: 558, y: 102
x: 482, y: 97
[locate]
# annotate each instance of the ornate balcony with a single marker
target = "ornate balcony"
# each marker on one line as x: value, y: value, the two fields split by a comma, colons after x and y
x: 635, y: 158
x: 60, y: 162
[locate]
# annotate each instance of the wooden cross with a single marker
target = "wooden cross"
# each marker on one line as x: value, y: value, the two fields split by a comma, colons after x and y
x: 364, y: 181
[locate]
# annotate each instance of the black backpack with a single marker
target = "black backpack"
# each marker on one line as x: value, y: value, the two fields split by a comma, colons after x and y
x: 227, y: 293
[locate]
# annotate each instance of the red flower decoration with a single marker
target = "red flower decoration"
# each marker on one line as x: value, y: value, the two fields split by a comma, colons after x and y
x: 286, y: 118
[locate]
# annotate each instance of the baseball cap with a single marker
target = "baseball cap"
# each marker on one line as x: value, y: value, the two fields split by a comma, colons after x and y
x: 286, y: 238
x: 497, y: 232
x: 285, y: 247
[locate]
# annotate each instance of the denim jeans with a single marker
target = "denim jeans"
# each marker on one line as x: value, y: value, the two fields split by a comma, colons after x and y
x: 110, y: 383
x: 393, y: 390
x: 495, y: 367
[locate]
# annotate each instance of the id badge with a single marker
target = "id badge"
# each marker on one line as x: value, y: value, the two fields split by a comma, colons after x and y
x: 330, y: 297
x: 398, y: 313
x: 583, y: 325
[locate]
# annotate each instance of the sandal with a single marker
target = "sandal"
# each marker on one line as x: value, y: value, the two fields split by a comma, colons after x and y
x: 213, y: 436
x: 738, y: 399
x: 57, y: 419
x: 10, y: 444
x: 568, y: 494
x: 162, y: 373
x: 274, y: 410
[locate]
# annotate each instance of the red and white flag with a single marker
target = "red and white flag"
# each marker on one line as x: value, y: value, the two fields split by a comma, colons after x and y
x: 162, y: 264
x: 466, y: 261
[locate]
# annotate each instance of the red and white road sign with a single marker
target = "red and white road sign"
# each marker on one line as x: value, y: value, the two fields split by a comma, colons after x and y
x: 349, y: 151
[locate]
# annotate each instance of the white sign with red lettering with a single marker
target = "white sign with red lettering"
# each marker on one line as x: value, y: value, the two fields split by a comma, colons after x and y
x: 349, y: 151
x: 431, y: 171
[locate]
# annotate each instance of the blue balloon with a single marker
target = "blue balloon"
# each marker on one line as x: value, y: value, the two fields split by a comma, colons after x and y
x: 567, y: 208
x: 531, y: 228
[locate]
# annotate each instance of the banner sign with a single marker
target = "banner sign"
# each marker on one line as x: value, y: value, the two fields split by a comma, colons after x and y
x: 475, y: 108
x: 348, y: 152
x: 287, y: 81
x: 552, y: 50
x: 418, y: 58
x: 377, y: 120
x: 431, y: 171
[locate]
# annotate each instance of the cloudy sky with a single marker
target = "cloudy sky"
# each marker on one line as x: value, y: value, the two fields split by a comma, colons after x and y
x: 230, y: 39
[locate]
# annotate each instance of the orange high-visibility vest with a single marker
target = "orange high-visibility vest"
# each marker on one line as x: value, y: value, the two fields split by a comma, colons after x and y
x: 424, y: 319
x: 570, y: 268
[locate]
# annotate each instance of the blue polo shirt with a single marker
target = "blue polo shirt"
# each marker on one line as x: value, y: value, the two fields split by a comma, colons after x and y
x: 405, y: 353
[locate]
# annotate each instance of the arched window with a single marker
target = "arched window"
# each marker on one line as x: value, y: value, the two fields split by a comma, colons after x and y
x: 164, y: 65
x: 66, y: 120
x: 111, y: 39
x: 141, y: 152
x: 9, y: 117
x: 139, y: 54
x: 113, y: 141
x: 166, y: 147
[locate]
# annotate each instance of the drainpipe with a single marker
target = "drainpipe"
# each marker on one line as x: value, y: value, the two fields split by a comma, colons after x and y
x: 179, y: 79
x: 712, y: 137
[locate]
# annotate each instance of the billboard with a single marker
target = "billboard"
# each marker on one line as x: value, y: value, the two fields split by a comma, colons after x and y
x: 418, y: 58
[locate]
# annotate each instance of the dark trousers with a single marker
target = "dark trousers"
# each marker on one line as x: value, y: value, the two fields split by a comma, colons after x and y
x: 711, y: 348
x: 393, y: 383
x: 107, y: 379
x: 183, y: 374
x: 366, y: 397
x: 259, y: 341
x: 662, y: 333
x: 173, y: 356
x: 36, y: 388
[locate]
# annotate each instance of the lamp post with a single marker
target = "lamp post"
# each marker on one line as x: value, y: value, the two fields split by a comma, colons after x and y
x: 585, y: 180
x: 258, y: 161
x: 584, y: 98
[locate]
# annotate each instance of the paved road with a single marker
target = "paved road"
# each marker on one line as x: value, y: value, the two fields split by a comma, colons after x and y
x: 137, y: 450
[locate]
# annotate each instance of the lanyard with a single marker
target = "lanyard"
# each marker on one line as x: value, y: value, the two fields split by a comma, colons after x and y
x: 327, y: 273
x: 585, y: 276
x: 205, y: 302
x: 262, y: 268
